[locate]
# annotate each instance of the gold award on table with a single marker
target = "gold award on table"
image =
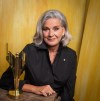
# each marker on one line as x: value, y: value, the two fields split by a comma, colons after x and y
x: 16, y: 64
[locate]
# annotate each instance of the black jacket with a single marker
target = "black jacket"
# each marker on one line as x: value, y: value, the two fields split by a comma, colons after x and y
x: 60, y: 75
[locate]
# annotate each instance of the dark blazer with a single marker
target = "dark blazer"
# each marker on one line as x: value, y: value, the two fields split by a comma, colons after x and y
x: 39, y: 71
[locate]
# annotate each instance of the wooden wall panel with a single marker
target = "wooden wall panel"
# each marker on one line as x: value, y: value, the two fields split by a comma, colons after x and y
x: 88, y: 72
x: 18, y: 20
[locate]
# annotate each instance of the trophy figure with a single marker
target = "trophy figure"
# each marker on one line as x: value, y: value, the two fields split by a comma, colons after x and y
x: 16, y: 64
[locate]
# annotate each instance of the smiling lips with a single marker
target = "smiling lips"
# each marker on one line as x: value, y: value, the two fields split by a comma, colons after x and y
x: 51, y: 39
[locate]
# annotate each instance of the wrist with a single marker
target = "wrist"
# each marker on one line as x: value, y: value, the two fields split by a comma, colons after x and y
x: 33, y: 89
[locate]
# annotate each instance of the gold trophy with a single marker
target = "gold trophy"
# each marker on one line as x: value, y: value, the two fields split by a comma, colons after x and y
x: 16, y: 64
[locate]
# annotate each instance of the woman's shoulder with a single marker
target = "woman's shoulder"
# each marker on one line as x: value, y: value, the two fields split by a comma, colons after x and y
x: 29, y: 46
x: 69, y: 50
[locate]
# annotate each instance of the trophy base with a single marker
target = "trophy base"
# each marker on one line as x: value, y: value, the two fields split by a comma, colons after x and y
x: 14, y: 94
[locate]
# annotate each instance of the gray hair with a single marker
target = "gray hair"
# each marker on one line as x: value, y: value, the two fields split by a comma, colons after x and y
x: 38, y: 37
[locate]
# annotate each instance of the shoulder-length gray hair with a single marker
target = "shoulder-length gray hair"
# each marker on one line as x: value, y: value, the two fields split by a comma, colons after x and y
x: 38, y: 37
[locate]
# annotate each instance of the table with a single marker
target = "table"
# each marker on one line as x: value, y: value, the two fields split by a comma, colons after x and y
x: 25, y: 96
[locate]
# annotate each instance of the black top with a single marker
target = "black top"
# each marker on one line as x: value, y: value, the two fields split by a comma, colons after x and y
x: 39, y: 71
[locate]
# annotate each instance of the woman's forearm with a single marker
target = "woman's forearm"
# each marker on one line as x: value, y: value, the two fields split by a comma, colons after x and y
x: 29, y: 88
x: 40, y: 90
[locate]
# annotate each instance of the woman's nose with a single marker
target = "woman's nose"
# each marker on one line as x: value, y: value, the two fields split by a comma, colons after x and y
x: 51, y: 33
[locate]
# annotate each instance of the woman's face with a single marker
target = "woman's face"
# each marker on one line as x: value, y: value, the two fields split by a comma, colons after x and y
x: 53, y: 32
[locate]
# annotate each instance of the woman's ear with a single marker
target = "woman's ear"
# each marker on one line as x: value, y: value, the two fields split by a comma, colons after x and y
x: 63, y: 31
x: 63, y: 34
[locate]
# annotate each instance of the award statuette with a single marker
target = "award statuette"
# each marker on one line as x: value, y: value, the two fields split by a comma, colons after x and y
x: 16, y: 64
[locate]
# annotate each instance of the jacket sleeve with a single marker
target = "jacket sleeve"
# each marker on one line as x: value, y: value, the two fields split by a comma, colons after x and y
x: 7, y: 80
x: 68, y: 90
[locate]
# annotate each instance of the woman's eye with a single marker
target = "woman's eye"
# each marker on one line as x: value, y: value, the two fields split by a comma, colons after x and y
x: 45, y: 29
x: 56, y: 28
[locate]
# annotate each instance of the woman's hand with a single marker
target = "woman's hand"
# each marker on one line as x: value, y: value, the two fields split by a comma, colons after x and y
x: 45, y: 90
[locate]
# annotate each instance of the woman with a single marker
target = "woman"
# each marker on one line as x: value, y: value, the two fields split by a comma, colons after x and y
x: 50, y: 65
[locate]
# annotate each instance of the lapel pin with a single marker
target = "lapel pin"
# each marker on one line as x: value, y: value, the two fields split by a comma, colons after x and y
x: 64, y: 59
